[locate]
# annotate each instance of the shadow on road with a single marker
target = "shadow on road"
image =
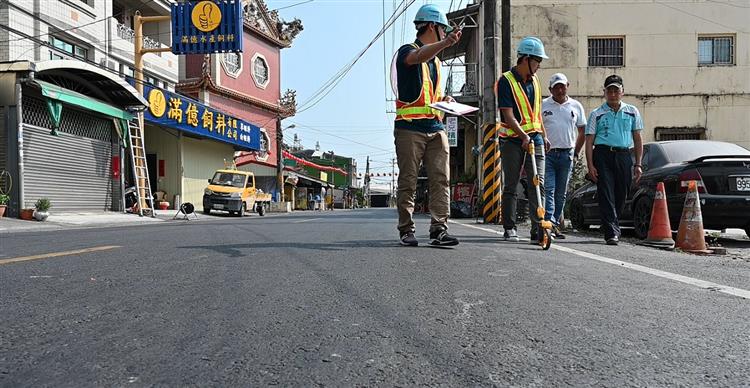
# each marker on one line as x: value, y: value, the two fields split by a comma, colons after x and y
x: 240, y: 250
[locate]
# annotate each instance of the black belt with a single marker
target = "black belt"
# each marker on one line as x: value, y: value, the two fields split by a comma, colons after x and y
x: 611, y: 149
x: 560, y: 149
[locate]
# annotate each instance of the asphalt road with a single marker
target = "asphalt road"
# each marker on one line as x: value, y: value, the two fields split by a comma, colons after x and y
x: 330, y: 299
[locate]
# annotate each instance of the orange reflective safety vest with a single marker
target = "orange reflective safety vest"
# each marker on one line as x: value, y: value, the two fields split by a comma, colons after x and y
x: 420, y: 108
x: 531, y: 115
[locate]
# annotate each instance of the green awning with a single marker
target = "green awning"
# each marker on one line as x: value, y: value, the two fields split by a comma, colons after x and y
x: 58, y: 93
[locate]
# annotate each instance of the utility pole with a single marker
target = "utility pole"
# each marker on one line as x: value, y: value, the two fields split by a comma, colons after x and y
x: 279, y: 159
x: 506, y: 52
x: 367, y: 183
x: 490, y: 159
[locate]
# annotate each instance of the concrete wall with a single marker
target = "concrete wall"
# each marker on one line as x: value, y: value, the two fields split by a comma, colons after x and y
x: 200, y: 158
x: 661, y: 73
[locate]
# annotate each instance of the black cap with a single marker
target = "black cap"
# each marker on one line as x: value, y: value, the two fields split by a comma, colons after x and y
x: 613, y: 80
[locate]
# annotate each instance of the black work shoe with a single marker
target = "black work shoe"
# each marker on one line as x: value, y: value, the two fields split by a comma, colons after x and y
x: 613, y: 240
x: 557, y: 233
x: 442, y: 238
x: 408, y: 240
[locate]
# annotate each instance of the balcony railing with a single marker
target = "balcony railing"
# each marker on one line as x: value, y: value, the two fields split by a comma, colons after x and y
x: 462, y: 80
x: 127, y: 33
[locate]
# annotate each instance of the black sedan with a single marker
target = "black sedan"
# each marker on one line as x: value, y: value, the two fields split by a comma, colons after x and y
x: 722, y: 173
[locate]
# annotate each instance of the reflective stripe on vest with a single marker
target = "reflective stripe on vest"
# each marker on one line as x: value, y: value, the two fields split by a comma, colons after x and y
x: 531, y: 118
x: 420, y: 108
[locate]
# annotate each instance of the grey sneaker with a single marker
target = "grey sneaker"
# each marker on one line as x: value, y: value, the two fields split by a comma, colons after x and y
x: 613, y: 240
x: 510, y: 235
x: 408, y: 240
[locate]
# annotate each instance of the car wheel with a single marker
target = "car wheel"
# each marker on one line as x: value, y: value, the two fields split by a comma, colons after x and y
x: 261, y: 210
x: 242, y: 211
x: 642, y: 217
x: 576, y: 216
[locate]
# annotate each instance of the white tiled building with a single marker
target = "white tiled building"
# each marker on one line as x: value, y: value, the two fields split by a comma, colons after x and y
x: 97, y: 31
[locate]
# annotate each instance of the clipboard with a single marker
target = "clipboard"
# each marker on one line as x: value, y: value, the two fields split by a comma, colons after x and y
x: 454, y: 108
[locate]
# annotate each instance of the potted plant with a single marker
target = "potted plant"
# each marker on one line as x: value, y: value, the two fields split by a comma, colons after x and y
x: 26, y: 214
x: 42, y: 209
x: 3, y: 203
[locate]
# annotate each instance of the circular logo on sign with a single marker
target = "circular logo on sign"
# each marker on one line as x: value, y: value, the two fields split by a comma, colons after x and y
x: 206, y: 16
x: 157, y: 104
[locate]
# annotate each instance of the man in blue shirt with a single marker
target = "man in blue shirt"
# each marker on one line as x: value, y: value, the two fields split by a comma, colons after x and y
x: 613, y: 130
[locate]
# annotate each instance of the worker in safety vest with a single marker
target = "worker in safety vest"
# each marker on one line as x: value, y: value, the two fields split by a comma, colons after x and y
x: 519, y: 100
x: 419, y: 133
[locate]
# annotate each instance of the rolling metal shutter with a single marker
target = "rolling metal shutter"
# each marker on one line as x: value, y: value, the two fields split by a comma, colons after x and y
x: 73, y: 169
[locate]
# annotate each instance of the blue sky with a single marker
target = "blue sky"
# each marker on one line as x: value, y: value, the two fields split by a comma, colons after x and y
x: 352, y: 119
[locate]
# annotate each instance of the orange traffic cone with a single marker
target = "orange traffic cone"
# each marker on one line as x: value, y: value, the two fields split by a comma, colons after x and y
x: 660, y: 230
x: 690, y: 236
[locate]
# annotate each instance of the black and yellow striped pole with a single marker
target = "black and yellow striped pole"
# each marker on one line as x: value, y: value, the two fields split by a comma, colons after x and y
x: 491, y: 176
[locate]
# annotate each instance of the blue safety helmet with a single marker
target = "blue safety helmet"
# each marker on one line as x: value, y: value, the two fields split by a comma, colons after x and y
x: 531, y: 46
x: 430, y: 13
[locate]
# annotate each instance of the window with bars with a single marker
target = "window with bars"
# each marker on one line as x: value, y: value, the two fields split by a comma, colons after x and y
x: 260, y: 71
x: 232, y: 63
x: 680, y: 134
x: 607, y: 52
x: 716, y: 50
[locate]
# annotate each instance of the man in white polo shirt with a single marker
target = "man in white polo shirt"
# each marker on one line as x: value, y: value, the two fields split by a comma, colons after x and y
x: 565, y: 121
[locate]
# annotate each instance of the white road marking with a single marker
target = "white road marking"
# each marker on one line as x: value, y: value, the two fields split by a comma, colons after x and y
x: 640, y: 268
x: 309, y: 219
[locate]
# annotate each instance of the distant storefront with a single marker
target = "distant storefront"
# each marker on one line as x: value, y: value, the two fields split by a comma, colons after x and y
x: 186, y: 141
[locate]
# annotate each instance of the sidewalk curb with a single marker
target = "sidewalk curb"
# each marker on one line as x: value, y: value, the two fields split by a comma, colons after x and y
x: 47, y: 226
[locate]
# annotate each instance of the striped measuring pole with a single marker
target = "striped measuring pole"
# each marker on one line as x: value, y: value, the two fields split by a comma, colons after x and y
x: 491, y: 176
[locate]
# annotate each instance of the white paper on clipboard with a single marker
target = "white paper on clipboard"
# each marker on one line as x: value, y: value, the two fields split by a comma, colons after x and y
x: 454, y: 108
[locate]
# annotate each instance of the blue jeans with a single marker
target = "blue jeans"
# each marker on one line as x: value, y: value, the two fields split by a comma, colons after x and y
x: 558, y: 165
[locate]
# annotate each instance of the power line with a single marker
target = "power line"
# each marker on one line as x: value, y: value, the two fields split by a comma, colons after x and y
x: 48, y: 45
x: 331, y: 84
x: 334, y: 81
x: 71, y: 28
x: 293, y: 5
x: 700, y: 17
x: 729, y: 4
x: 108, y: 40
x: 64, y: 30
x: 339, y: 137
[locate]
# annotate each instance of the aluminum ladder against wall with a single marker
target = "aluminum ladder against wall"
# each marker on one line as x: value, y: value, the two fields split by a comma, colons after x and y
x: 140, y: 167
